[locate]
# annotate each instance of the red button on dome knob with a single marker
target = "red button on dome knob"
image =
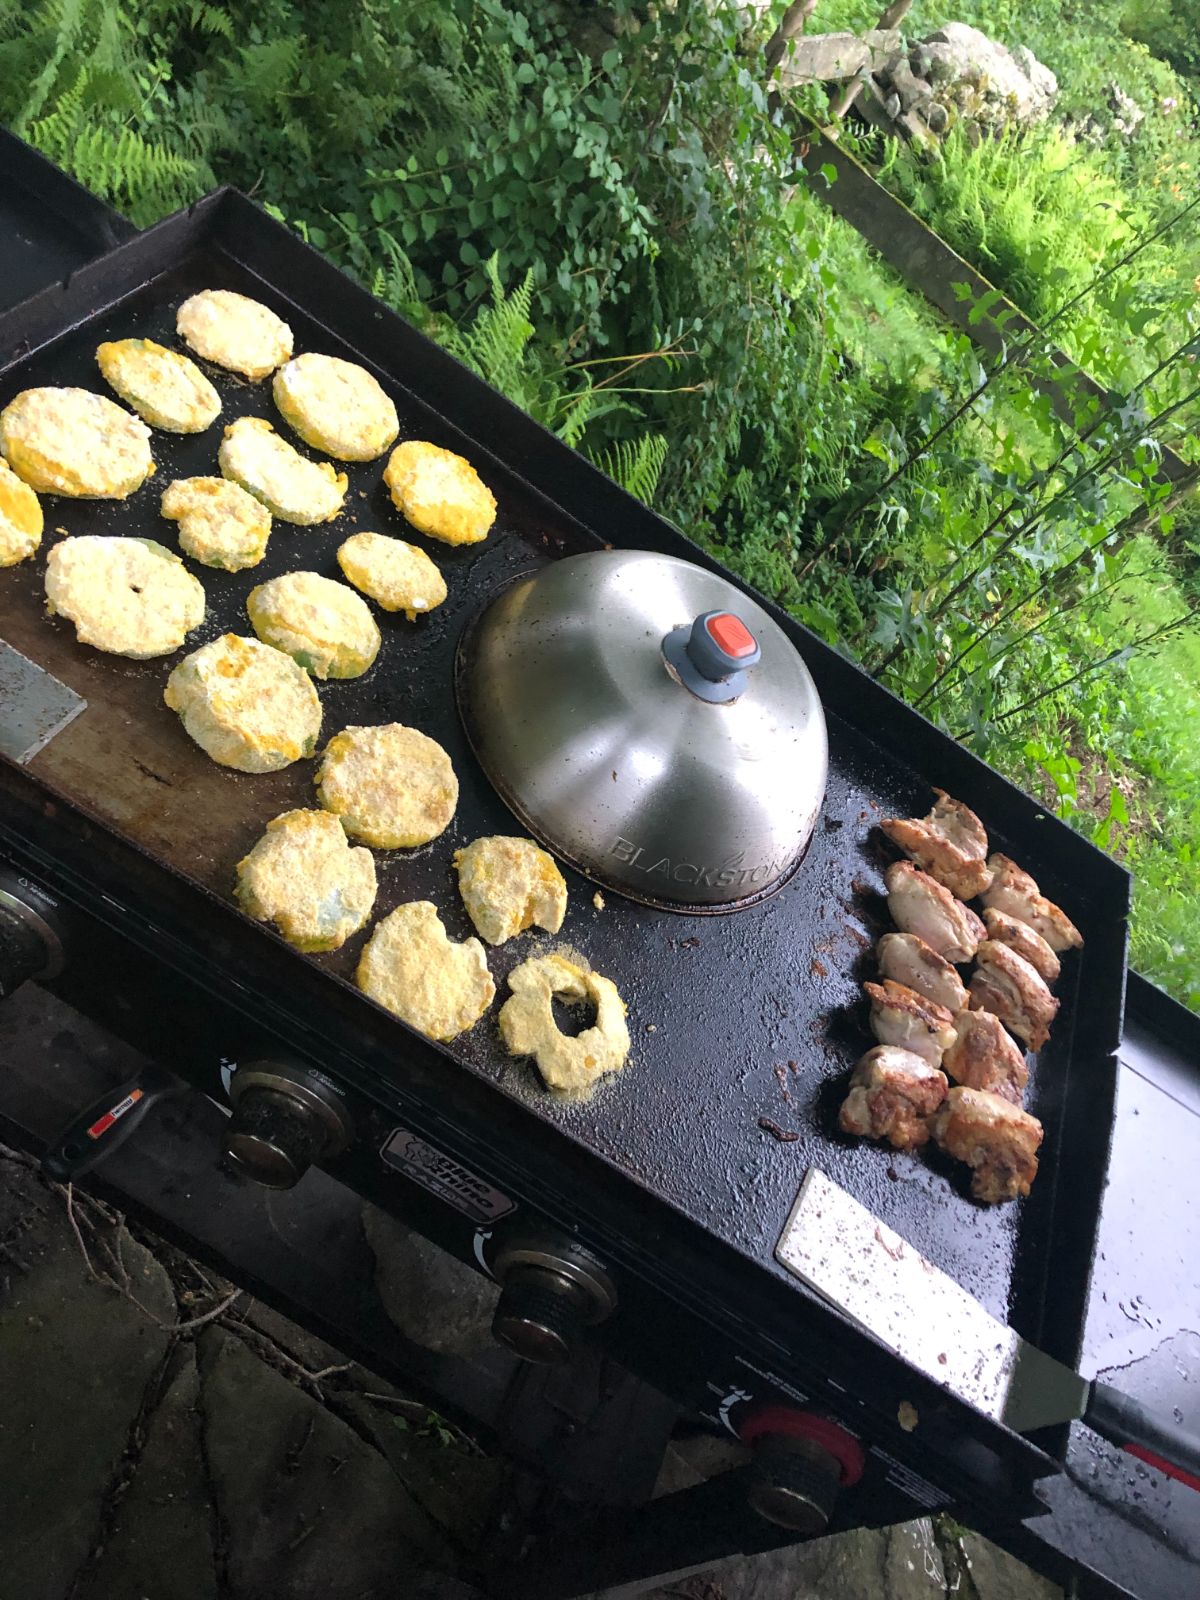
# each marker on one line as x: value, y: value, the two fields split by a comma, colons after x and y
x: 730, y: 633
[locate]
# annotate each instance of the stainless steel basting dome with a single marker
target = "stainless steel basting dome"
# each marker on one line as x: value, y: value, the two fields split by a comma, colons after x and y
x: 650, y: 724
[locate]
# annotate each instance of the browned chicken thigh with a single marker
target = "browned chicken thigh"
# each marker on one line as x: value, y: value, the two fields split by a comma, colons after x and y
x: 905, y: 1018
x: 908, y: 960
x: 996, y: 1139
x: 1006, y: 985
x: 892, y: 1093
x: 1026, y: 941
x: 983, y: 1056
x: 920, y: 905
x: 1015, y: 892
x: 950, y: 844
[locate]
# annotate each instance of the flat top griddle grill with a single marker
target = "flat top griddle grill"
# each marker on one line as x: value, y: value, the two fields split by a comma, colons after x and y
x: 737, y: 1020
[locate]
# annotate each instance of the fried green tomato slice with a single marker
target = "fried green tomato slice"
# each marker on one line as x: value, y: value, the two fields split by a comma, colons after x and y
x: 129, y: 597
x: 21, y: 521
x: 165, y: 389
x: 325, y: 627
x: 74, y: 442
x: 392, y: 786
x: 570, y: 1066
x: 291, y: 487
x: 397, y: 576
x: 440, y: 493
x: 335, y: 406
x: 247, y: 706
x: 412, y: 967
x: 305, y: 877
x: 219, y: 523
x: 235, y: 332
x: 507, y: 885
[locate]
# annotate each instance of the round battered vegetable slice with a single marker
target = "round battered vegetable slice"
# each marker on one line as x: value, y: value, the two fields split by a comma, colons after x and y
x: 411, y: 966
x: 335, y: 406
x: 164, y: 388
x: 234, y: 331
x: 570, y: 1066
x: 324, y: 626
x: 397, y: 576
x: 130, y: 597
x: 392, y: 786
x: 21, y: 519
x: 440, y: 493
x: 288, y: 484
x: 74, y: 442
x: 246, y: 705
x: 305, y: 877
x: 509, y: 884
x: 219, y: 523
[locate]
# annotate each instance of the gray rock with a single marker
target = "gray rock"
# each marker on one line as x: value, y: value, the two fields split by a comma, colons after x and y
x: 77, y: 1360
x: 913, y: 91
x: 456, y: 1487
x: 937, y: 117
x: 999, y: 1576
x: 304, y: 1507
x: 834, y: 57
x: 432, y: 1298
x: 1014, y: 85
x: 161, y: 1541
x: 901, y: 1563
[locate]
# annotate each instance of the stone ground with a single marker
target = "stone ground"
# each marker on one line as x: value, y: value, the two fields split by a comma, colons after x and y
x: 163, y: 1437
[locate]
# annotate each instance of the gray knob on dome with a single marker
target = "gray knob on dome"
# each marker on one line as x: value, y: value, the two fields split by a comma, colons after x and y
x: 712, y: 657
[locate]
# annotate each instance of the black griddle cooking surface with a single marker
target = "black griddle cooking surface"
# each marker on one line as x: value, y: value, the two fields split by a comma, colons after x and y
x: 744, y: 1026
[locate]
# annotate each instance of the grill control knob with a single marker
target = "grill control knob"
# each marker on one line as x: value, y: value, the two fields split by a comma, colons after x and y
x: 284, y: 1118
x: 29, y: 941
x: 550, y: 1292
x: 795, y: 1484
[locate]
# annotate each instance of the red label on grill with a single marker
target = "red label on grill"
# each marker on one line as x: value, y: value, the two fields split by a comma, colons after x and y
x: 102, y: 1124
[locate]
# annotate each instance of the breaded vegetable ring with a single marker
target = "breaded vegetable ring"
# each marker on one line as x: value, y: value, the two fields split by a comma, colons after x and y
x: 410, y: 966
x: 325, y: 627
x: 21, y: 520
x: 164, y: 388
x: 234, y: 331
x: 246, y: 705
x: 306, y: 878
x: 335, y: 406
x: 392, y: 786
x: 509, y: 884
x: 130, y: 597
x: 528, y: 1028
x: 74, y: 442
x: 288, y: 484
x: 397, y: 576
x: 219, y: 523
x: 440, y: 493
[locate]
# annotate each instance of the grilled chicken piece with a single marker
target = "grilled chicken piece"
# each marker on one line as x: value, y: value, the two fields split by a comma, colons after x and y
x: 892, y: 1092
x: 1006, y: 985
x: 997, y: 1140
x: 1014, y: 891
x: 1026, y: 941
x: 949, y: 844
x: 983, y: 1056
x: 908, y: 960
x: 905, y: 1018
x: 922, y: 906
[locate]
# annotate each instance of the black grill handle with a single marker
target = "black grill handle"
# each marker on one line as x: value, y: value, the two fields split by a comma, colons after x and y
x: 105, y: 1124
x: 1165, y: 1445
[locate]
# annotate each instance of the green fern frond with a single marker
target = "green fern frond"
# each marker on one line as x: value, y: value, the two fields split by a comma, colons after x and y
x: 635, y: 465
x: 212, y: 20
x: 495, y: 344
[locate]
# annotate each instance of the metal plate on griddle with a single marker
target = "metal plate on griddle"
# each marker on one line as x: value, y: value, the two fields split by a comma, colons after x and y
x: 744, y: 1027
x: 33, y: 705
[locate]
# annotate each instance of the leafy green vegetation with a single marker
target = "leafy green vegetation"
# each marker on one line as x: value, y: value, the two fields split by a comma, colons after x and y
x: 597, y: 209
